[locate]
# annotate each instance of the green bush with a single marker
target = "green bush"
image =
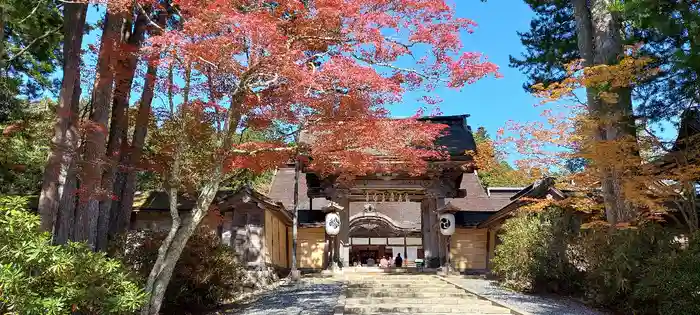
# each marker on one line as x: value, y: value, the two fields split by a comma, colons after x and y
x: 533, y: 255
x: 39, y: 278
x: 670, y: 283
x: 206, y: 275
x: 641, y: 271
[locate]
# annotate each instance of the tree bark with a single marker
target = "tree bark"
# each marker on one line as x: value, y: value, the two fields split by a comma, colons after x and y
x: 600, y: 42
x: 68, y: 179
x: 62, y: 149
x: 170, y: 250
x: 619, y: 124
x: 118, y: 139
x: 88, y: 214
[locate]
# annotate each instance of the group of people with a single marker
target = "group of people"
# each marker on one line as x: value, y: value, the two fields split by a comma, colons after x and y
x: 387, y: 261
x: 384, y: 262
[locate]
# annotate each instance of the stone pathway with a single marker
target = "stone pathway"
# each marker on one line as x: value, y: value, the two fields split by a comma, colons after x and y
x: 523, y: 303
x: 311, y: 296
x: 412, y: 294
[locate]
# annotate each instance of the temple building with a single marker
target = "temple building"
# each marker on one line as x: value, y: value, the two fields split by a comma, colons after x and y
x: 381, y: 214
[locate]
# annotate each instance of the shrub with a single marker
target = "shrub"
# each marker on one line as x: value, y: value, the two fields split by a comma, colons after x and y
x: 39, y: 278
x: 614, y: 260
x: 641, y: 271
x: 206, y: 274
x: 670, y: 283
x: 533, y: 255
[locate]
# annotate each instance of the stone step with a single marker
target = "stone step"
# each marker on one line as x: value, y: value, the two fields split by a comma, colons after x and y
x: 423, y: 309
x: 402, y: 284
x: 410, y: 294
x: 416, y: 301
x: 460, y: 313
x: 403, y: 291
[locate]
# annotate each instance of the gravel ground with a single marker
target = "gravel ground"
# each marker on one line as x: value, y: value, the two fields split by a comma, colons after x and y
x: 524, y: 303
x: 311, y: 296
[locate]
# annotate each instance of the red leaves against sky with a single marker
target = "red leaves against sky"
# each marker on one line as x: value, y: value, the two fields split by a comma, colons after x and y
x: 331, y: 66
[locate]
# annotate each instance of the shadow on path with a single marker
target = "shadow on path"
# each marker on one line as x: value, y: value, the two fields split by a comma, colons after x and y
x: 293, y: 299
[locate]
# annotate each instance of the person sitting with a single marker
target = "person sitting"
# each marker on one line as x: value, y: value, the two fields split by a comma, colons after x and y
x: 398, y: 260
x: 383, y: 263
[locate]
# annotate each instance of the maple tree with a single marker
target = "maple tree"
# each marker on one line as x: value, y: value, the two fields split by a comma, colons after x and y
x: 493, y: 169
x: 328, y: 67
x: 656, y: 176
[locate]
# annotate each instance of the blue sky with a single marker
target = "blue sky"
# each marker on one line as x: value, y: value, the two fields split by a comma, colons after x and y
x: 490, y: 102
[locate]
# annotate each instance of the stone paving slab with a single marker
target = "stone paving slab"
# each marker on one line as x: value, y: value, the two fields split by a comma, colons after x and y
x: 525, y: 304
x: 310, y: 296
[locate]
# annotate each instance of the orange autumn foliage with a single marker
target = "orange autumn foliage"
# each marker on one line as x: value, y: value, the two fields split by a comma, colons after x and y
x: 651, y: 183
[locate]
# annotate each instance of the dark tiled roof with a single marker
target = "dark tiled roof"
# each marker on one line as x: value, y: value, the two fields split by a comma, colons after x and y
x: 476, y: 199
x: 689, y: 128
x: 537, y: 190
x: 471, y: 218
x: 500, y: 198
x: 458, y: 136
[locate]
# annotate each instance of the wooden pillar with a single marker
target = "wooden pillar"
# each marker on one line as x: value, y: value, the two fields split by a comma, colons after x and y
x: 343, y: 239
x: 430, y: 229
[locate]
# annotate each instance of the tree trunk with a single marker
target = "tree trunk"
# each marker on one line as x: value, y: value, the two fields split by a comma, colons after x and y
x: 68, y: 179
x: 620, y: 126
x: 128, y: 175
x: 88, y: 214
x: 63, y: 150
x: 170, y: 250
x: 118, y: 139
x: 599, y: 42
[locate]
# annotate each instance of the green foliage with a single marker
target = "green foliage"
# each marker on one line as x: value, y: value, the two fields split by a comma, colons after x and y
x: 641, y: 271
x: 494, y: 170
x: 670, y: 282
x: 29, y: 51
x: 667, y: 30
x: 39, y: 278
x: 25, y: 142
x: 550, y: 43
x: 206, y: 274
x: 533, y: 255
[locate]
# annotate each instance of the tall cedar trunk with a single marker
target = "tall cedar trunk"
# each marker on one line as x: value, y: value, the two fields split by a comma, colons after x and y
x: 169, y: 252
x: 68, y: 179
x: 599, y: 42
x: 126, y: 176
x: 87, y: 217
x: 62, y: 150
x: 607, y: 31
x: 126, y: 69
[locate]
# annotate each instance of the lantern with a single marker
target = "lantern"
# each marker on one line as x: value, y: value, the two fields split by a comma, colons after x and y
x: 447, y: 224
x: 332, y: 224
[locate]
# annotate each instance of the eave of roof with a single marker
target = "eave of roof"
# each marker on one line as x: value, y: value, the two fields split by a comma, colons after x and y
x: 539, y: 189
